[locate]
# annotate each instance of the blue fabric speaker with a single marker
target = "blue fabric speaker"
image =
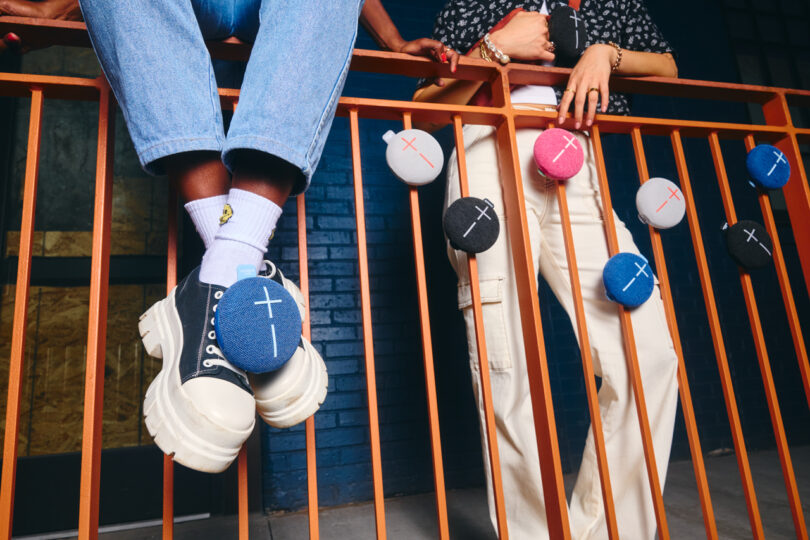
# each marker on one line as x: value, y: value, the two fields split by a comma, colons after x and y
x: 258, y: 325
x: 768, y: 166
x: 628, y: 279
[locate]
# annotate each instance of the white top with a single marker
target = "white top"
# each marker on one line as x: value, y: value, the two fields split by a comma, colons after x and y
x: 533, y: 93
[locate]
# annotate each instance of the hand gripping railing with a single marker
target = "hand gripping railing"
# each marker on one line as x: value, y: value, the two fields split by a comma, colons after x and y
x: 506, y: 121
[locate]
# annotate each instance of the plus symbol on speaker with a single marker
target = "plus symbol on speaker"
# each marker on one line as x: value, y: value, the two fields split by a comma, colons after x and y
x: 571, y: 142
x: 576, y: 27
x: 270, y: 314
x: 482, y: 213
x: 409, y: 144
x: 672, y: 193
x: 780, y: 157
x: 755, y: 239
x: 640, y: 271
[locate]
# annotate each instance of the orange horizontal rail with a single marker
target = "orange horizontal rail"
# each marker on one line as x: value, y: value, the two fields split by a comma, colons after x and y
x: 507, y: 121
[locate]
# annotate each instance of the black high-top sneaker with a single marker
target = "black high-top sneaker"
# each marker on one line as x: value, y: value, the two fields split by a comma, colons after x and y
x: 199, y: 408
x: 294, y: 392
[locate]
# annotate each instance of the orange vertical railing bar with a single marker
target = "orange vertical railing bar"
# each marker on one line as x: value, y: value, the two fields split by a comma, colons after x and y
x: 630, y: 348
x: 171, y: 281
x: 427, y: 353
x: 587, y: 364
x: 481, y: 345
x: 717, y: 340
x: 797, y: 191
x: 309, y: 425
x: 242, y: 494
x: 784, y: 284
x: 15, y: 370
x: 683, y: 382
x: 762, y: 353
x: 368, y: 337
x: 97, y: 324
x: 532, y: 327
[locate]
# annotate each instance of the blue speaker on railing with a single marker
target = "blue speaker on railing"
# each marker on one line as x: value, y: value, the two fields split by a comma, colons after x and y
x: 628, y: 279
x: 768, y: 166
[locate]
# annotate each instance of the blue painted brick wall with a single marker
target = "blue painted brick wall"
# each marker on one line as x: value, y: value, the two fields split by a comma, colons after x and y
x: 343, y: 454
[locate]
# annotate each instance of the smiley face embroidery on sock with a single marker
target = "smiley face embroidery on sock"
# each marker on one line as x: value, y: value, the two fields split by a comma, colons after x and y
x: 227, y: 213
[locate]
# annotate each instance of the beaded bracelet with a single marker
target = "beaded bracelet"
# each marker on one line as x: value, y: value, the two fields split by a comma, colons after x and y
x: 618, y: 61
x: 502, y: 57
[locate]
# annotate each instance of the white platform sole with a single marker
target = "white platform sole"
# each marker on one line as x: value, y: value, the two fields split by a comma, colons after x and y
x: 179, y: 428
x: 295, y: 392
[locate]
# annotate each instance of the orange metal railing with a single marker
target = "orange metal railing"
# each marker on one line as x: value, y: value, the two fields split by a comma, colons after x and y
x: 779, y: 130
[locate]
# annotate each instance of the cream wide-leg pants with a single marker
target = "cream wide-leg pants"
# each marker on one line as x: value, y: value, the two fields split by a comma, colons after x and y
x: 520, y: 467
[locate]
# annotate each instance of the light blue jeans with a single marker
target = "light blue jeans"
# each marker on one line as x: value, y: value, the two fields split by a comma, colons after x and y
x: 154, y: 56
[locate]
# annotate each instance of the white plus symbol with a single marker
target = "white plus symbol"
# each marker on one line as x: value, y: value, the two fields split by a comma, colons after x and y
x: 270, y: 314
x: 640, y: 271
x: 780, y: 157
x: 576, y: 27
x: 268, y: 302
x: 570, y: 143
x: 750, y: 235
x: 482, y: 213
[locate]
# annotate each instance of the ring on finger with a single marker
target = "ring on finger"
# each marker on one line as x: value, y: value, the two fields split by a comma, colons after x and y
x: 593, y: 89
x: 550, y: 46
x: 570, y: 90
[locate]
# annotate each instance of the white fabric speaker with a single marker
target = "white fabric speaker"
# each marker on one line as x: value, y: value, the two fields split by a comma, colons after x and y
x: 415, y: 156
x: 660, y: 203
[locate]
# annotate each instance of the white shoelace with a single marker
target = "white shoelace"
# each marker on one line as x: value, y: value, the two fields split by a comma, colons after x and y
x: 220, y: 361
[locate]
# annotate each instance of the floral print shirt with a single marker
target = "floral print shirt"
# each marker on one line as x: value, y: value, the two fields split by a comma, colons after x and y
x: 462, y: 23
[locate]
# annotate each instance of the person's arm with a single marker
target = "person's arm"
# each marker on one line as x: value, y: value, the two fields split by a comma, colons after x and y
x: 589, y: 80
x: 65, y: 10
x: 647, y: 53
x: 524, y: 37
x: 383, y: 31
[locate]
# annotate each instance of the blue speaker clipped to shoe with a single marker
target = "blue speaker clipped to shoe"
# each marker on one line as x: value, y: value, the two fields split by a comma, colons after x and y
x: 768, y: 166
x: 258, y: 325
x: 628, y: 279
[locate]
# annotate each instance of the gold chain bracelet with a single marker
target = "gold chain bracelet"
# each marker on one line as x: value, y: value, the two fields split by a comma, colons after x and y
x: 618, y: 61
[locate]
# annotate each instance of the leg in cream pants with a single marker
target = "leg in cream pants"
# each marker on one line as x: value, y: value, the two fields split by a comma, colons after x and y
x: 520, y: 467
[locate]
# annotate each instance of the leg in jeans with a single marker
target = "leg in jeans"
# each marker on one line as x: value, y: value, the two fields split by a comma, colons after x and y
x: 293, y: 81
x: 200, y: 407
x: 516, y: 438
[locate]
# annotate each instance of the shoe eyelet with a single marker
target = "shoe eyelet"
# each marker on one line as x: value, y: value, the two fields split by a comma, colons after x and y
x: 210, y: 350
x: 218, y: 295
x: 214, y: 309
x: 212, y: 321
x: 212, y: 335
x: 208, y: 363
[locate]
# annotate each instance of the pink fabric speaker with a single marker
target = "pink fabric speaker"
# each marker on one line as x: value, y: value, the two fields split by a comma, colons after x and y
x: 558, y: 154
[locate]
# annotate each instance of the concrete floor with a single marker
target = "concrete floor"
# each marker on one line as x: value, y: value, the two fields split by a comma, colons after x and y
x: 414, y: 517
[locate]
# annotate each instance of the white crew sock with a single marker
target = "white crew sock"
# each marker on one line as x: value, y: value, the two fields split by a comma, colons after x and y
x: 205, y: 213
x: 242, y: 239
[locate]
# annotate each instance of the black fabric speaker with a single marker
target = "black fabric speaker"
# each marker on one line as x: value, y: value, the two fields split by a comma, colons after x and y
x: 567, y: 30
x: 749, y: 244
x: 471, y: 224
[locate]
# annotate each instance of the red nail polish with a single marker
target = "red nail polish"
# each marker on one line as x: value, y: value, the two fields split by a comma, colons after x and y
x: 444, y: 57
x: 12, y: 38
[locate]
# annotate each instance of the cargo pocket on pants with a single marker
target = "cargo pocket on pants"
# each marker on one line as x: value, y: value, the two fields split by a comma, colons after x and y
x: 494, y: 326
